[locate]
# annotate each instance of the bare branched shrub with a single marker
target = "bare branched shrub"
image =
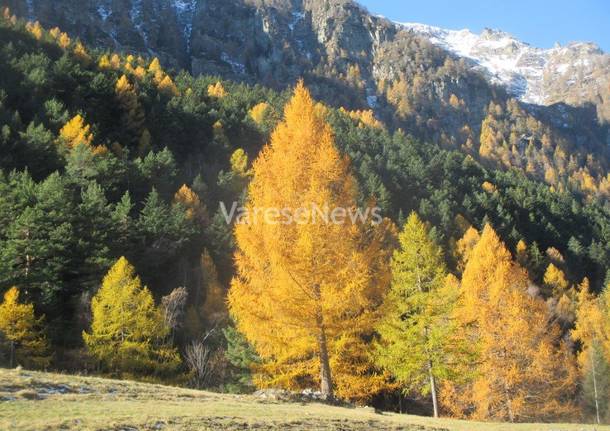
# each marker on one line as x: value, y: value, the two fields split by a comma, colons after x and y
x: 207, y: 365
x: 197, y: 356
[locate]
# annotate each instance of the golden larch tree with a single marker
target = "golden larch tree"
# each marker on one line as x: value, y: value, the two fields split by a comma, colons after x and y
x: 64, y: 40
x: 132, y: 116
x: 115, y: 61
x: 521, y: 253
x: 522, y: 372
x: 127, y: 329
x: 195, y: 209
x: 555, y: 281
x: 76, y: 132
x: 306, y: 288
x: 465, y: 245
x: 26, y: 342
x: 214, y: 307
x: 167, y: 86
x: 217, y: 90
x: 155, y: 66
x: 258, y: 112
x: 592, y: 330
x: 104, y: 62
x: 35, y: 29
x: 81, y: 53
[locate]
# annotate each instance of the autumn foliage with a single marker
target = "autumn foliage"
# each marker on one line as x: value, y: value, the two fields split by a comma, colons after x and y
x: 127, y: 329
x: 305, y: 293
x: 24, y: 339
x: 523, y: 372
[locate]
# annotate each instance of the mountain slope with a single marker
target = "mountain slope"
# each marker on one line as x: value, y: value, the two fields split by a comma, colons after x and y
x: 422, y: 79
x: 574, y: 73
x: 252, y: 38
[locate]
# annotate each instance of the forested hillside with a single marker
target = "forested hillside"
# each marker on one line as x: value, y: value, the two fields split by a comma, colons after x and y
x: 352, y: 58
x: 112, y: 172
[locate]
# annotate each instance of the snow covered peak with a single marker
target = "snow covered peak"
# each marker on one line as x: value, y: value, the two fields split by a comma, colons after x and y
x: 523, y: 69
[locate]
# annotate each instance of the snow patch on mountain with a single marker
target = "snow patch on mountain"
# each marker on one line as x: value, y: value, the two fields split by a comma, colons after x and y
x: 297, y: 16
x: 236, y: 66
x: 135, y: 14
x: 104, y: 12
x: 185, y: 11
x: 523, y: 69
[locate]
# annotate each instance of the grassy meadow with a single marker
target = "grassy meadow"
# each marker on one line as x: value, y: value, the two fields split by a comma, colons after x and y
x: 44, y: 401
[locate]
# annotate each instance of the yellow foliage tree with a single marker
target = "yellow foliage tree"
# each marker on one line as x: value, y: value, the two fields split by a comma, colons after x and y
x: 364, y: 118
x: 104, y: 62
x: 217, y: 90
x: 115, y: 61
x: 26, y: 342
x: 167, y: 87
x: 155, y: 66
x: 139, y: 72
x: 55, y: 32
x: 593, y: 318
x: 563, y: 295
x: 592, y: 330
x: 195, y: 210
x: 35, y: 29
x: 454, y: 101
x: 522, y: 371
x: 521, y: 253
x: 81, y: 53
x: 465, y: 245
x: 488, y: 187
x: 133, y: 115
x: 302, y: 288
x: 258, y: 111
x: 555, y: 281
x: 214, y: 307
x: 220, y: 139
x: 75, y: 132
x: 127, y: 330
x: 239, y: 162
x: 64, y: 40
x: 487, y: 139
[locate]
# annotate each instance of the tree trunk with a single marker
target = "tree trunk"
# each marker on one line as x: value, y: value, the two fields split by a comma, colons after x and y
x: 592, y: 352
x: 326, y: 382
x: 433, y: 389
x: 509, y: 404
x: 400, y: 402
x: 12, y: 355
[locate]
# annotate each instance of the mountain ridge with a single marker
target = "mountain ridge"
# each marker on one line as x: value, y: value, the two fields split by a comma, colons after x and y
x: 185, y: 33
x: 527, y: 71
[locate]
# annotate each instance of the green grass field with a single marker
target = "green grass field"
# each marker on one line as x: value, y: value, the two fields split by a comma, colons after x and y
x: 44, y: 401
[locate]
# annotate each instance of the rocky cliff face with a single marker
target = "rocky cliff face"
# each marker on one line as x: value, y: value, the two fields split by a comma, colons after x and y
x: 277, y: 41
x: 575, y: 73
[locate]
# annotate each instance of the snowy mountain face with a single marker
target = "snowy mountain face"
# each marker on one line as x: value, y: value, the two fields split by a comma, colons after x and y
x: 529, y: 73
x: 277, y: 41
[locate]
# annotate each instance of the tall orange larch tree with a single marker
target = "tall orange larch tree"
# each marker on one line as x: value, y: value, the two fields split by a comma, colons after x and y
x: 523, y: 372
x: 305, y: 291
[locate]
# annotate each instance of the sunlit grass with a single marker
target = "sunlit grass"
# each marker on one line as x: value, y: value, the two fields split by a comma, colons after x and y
x: 35, y: 401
